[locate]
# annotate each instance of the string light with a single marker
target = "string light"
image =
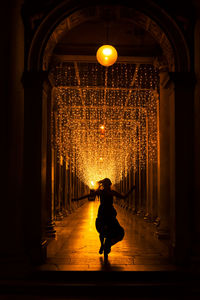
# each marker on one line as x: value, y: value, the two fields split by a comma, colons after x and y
x: 105, y: 120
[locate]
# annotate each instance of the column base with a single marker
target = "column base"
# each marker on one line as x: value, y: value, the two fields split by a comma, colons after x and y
x: 130, y: 210
x: 133, y: 211
x: 59, y: 216
x: 162, y: 234
x: 140, y: 213
x: 65, y: 213
x: 156, y: 221
x: 50, y: 230
x: 148, y: 217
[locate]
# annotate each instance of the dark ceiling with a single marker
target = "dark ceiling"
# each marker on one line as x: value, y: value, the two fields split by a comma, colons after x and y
x: 128, y: 38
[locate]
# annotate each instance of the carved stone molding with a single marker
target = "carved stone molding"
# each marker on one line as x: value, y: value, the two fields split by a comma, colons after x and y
x: 113, y: 12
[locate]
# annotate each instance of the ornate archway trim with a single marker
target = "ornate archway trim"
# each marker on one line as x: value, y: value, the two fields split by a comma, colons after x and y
x: 150, y: 17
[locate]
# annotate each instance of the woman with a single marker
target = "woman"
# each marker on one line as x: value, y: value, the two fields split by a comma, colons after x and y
x: 110, y: 231
x: 106, y: 223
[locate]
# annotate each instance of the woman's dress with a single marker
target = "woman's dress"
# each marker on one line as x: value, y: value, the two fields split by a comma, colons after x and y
x: 106, y: 223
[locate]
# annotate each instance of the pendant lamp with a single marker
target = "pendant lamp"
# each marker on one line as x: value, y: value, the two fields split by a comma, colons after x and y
x: 106, y: 54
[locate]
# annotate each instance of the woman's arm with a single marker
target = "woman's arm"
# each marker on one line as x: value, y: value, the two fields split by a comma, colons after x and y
x: 93, y: 193
x: 80, y: 198
x: 118, y: 195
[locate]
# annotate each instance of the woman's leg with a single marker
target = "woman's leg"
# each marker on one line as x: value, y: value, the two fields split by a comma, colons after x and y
x: 101, y: 237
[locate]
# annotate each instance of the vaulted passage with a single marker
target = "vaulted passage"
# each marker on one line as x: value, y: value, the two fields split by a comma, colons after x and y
x: 85, y: 122
x: 105, y: 123
x: 69, y: 122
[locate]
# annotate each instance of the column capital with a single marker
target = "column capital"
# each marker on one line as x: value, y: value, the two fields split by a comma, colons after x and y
x: 161, y: 64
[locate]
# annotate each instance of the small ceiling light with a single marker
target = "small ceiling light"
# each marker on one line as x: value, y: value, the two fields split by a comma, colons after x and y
x: 106, y: 55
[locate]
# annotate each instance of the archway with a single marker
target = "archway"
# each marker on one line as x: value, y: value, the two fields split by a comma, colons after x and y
x: 54, y: 26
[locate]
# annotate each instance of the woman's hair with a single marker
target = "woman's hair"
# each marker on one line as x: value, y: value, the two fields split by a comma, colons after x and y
x: 105, y: 181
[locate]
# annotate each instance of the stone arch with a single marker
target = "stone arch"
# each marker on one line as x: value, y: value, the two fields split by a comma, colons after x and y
x: 147, y: 15
x: 176, y: 87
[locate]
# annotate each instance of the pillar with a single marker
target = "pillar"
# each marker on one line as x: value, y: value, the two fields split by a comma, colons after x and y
x: 196, y: 207
x: 139, y: 177
x: 182, y: 163
x: 164, y: 174
x: 13, y: 254
x: 59, y: 213
x: 134, y: 191
x: 50, y: 216
x: 35, y: 158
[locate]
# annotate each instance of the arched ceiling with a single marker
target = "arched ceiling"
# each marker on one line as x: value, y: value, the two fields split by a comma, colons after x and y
x: 133, y: 33
x: 128, y: 38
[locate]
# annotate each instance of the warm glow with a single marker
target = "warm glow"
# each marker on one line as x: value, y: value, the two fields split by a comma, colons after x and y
x: 107, y: 51
x: 105, y: 125
x: 106, y: 55
x: 93, y: 184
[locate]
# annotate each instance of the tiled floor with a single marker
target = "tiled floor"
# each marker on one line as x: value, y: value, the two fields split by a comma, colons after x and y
x: 77, y: 244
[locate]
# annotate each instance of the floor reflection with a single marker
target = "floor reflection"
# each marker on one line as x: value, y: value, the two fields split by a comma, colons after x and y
x: 77, y: 244
x: 107, y: 266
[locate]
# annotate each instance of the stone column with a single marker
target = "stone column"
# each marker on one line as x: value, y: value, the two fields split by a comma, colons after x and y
x: 59, y: 214
x: 164, y: 176
x: 64, y: 192
x: 134, y: 192
x: 181, y: 89
x: 139, y: 198
x: 155, y: 192
x: 50, y: 223
x: 13, y: 254
x: 129, y: 187
x: 157, y: 167
x: 35, y: 158
x: 67, y: 188
x: 196, y: 208
x: 147, y: 204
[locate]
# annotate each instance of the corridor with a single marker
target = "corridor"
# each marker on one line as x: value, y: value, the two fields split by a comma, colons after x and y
x: 77, y: 244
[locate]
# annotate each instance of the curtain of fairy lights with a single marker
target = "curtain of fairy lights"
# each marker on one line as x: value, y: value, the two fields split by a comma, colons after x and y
x: 105, y: 119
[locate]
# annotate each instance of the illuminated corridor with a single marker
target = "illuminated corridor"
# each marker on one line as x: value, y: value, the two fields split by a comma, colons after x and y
x: 123, y: 128
x: 77, y: 244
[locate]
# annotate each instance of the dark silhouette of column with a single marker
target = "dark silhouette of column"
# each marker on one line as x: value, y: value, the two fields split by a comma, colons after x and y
x: 181, y: 89
x: 196, y: 206
x: 164, y: 176
x: 35, y: 157
x: 50, y: 213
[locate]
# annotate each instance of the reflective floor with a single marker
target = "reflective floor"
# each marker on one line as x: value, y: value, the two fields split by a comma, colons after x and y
x: 76, y: 246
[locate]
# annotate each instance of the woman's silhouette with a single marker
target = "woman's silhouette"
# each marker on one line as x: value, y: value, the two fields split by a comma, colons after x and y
x: 110, y: 231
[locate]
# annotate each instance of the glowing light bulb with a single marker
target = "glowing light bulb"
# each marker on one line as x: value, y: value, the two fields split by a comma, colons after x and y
x: 106, y: 55
x: 107, y: 51
x: 101, y: 159
x: 92, y: 183
x: 102, y: 127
